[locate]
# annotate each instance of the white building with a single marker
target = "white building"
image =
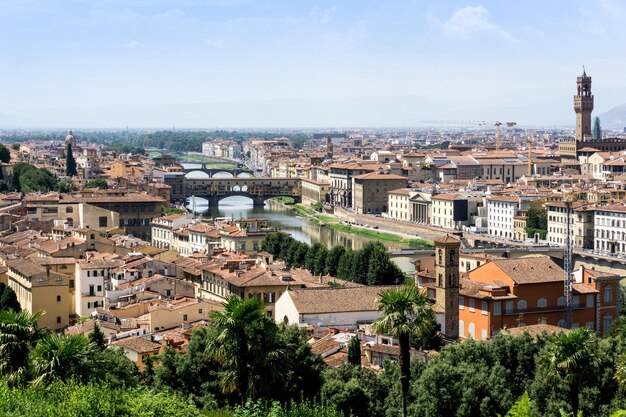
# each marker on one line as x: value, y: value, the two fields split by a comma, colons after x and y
x: 346, y: 307
x: 91, y: 277
x: 162, y: 228
x: 501, y: 210
x: 610, y: 229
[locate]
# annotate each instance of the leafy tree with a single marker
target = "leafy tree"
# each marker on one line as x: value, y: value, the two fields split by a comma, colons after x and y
x: 381, y: 269
x: 63, y: 357
x: 15, y: 146
x: 4, y: 186
x: 112, y: 367
x: 360, y: 263
x: 165, y: 211
x: 5, y: 154
x: 8, y: 299
x: 402, y: 314
x: 536, y: 219
x: 354, y: 351
x: 96, y: 336
x: 344, y: 270
x: 333, y: 259
x: 70, y: 162
x: 97, y: 183
x: 321, y: 256
x: 312, y: 260
x: 597, y: 129
x: 18, y: 335
x: 522, y: 408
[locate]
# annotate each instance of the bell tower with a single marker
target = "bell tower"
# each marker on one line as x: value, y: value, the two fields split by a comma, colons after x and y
x: 447, y: 283
x: 583, y: 106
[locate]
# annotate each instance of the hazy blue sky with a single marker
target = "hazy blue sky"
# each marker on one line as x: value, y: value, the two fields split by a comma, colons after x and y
x: 228, y: 63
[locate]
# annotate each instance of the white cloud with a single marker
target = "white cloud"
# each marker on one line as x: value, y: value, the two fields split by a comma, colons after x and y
x: 469, y: 21
x: 215, y: 43
x: 323, y: 16
x: 132, y: 45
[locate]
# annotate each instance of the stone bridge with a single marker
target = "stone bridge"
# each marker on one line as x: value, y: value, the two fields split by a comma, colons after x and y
x: 258, y: 189
x: 206, y: 168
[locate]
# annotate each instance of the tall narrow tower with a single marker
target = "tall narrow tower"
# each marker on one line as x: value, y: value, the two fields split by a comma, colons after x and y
x: 329, y: 146
x: 583, y: 106
x: 447, y: 275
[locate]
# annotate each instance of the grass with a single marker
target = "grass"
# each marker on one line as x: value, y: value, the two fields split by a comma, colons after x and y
x: 330, y: 221
x: 284, y: 200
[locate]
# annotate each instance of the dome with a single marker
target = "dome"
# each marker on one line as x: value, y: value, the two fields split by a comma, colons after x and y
x: 69, y: 137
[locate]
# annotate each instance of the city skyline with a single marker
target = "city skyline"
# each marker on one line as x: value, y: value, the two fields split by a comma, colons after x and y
x: 220, y: 63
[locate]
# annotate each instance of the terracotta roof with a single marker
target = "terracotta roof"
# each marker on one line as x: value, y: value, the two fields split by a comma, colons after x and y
x: 336, y: 300
x: 530, y: 270
x: 447, y: 239
x: 379, y: 176
x: 139, y: 344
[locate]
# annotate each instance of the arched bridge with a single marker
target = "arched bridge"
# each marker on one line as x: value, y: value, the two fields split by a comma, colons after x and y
x: 258, y: 189
x: 235, y: 172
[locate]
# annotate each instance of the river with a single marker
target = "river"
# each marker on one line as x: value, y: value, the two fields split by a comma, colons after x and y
x: 286, y: 221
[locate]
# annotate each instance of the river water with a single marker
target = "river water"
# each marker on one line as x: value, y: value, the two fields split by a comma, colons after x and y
x: 284, y: 220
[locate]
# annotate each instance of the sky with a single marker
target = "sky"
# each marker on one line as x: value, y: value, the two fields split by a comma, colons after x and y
x: 361, y: 63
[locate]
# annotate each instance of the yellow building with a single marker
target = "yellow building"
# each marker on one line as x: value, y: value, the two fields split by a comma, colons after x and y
x: 124, y: 169
x: 38, y: 287
x: 519, y: 228
x: 314, y: 191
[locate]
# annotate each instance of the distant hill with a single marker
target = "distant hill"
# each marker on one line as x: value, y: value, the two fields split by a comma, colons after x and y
x: 614, y: 118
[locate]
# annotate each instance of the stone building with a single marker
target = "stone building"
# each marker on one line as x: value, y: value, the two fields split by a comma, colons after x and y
x: 370, y: 191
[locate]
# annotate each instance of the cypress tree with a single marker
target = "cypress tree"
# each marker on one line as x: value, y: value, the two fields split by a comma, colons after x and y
x: 597, y: 129
x: 354, y: 352
x: 70, y: 162
x: 97, y: 337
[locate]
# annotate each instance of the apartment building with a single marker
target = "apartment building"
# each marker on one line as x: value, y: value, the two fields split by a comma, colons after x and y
x: 399, y: 204
x: 370, y: 191
x: 38, y: 288
x: 609, y: 226
x: 501, y: 212
x: 162, y: 228
x: 92, y: 277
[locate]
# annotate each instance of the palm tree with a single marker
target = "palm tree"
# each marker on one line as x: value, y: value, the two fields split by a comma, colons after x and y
x: 63, y: 357
x: 571, y: 358
x: 236, y: 344
x: 18, y: 334
x: 404, y: 312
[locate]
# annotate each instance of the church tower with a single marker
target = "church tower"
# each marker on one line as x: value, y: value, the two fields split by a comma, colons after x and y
x: 583, y: 106
x: 447, y: 283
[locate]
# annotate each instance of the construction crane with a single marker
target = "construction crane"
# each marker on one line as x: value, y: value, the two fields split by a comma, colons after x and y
x: 567, y: 260
x: 476, y: 123
x: 529, y: 143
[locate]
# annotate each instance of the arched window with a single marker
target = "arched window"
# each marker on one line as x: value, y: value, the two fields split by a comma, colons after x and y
x: 461, y: 328
x: 70, y: 221
x: 561, y: 323
x: 472, y: 331
x: 286, y: 320
x: 69, y: 209
x: 608, y: 294
x: 561, y: 301
x: 542, y: 303
x: 521, y: 305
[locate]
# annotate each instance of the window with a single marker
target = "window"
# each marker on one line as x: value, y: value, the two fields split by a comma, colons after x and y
x: 103, y: 221
x: 608, y: 294
x: 472, y: 305
x: 461, y: 328
x: 184, y: 317
x: 461, y: 303
x: 88, y: 304
x: 91, y: 290
x: 561, y: 323
x: 199, y: 311
x: 542, y: 303
x: 589, y: 300
x: 58, y: 319
x: 521, y: 305
x: 589, y: 325
x: 509, y: 307
x: 58, y: 298
x: 576, y: 301
x: 561, y: 303
x: 99, y: 288
x: 483, y: 335
x: 69, y: 210
x: 472, y: 331
x: 485, y: 308
x: 497, y: 306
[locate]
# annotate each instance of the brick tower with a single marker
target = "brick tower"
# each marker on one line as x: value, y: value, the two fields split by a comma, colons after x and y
x: 447, y: 283
x: 583, y: 106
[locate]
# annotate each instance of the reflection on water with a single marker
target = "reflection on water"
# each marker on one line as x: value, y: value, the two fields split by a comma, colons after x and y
x: 285, y: 220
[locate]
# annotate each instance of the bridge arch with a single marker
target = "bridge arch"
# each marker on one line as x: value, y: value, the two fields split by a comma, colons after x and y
x: 197, y: 174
